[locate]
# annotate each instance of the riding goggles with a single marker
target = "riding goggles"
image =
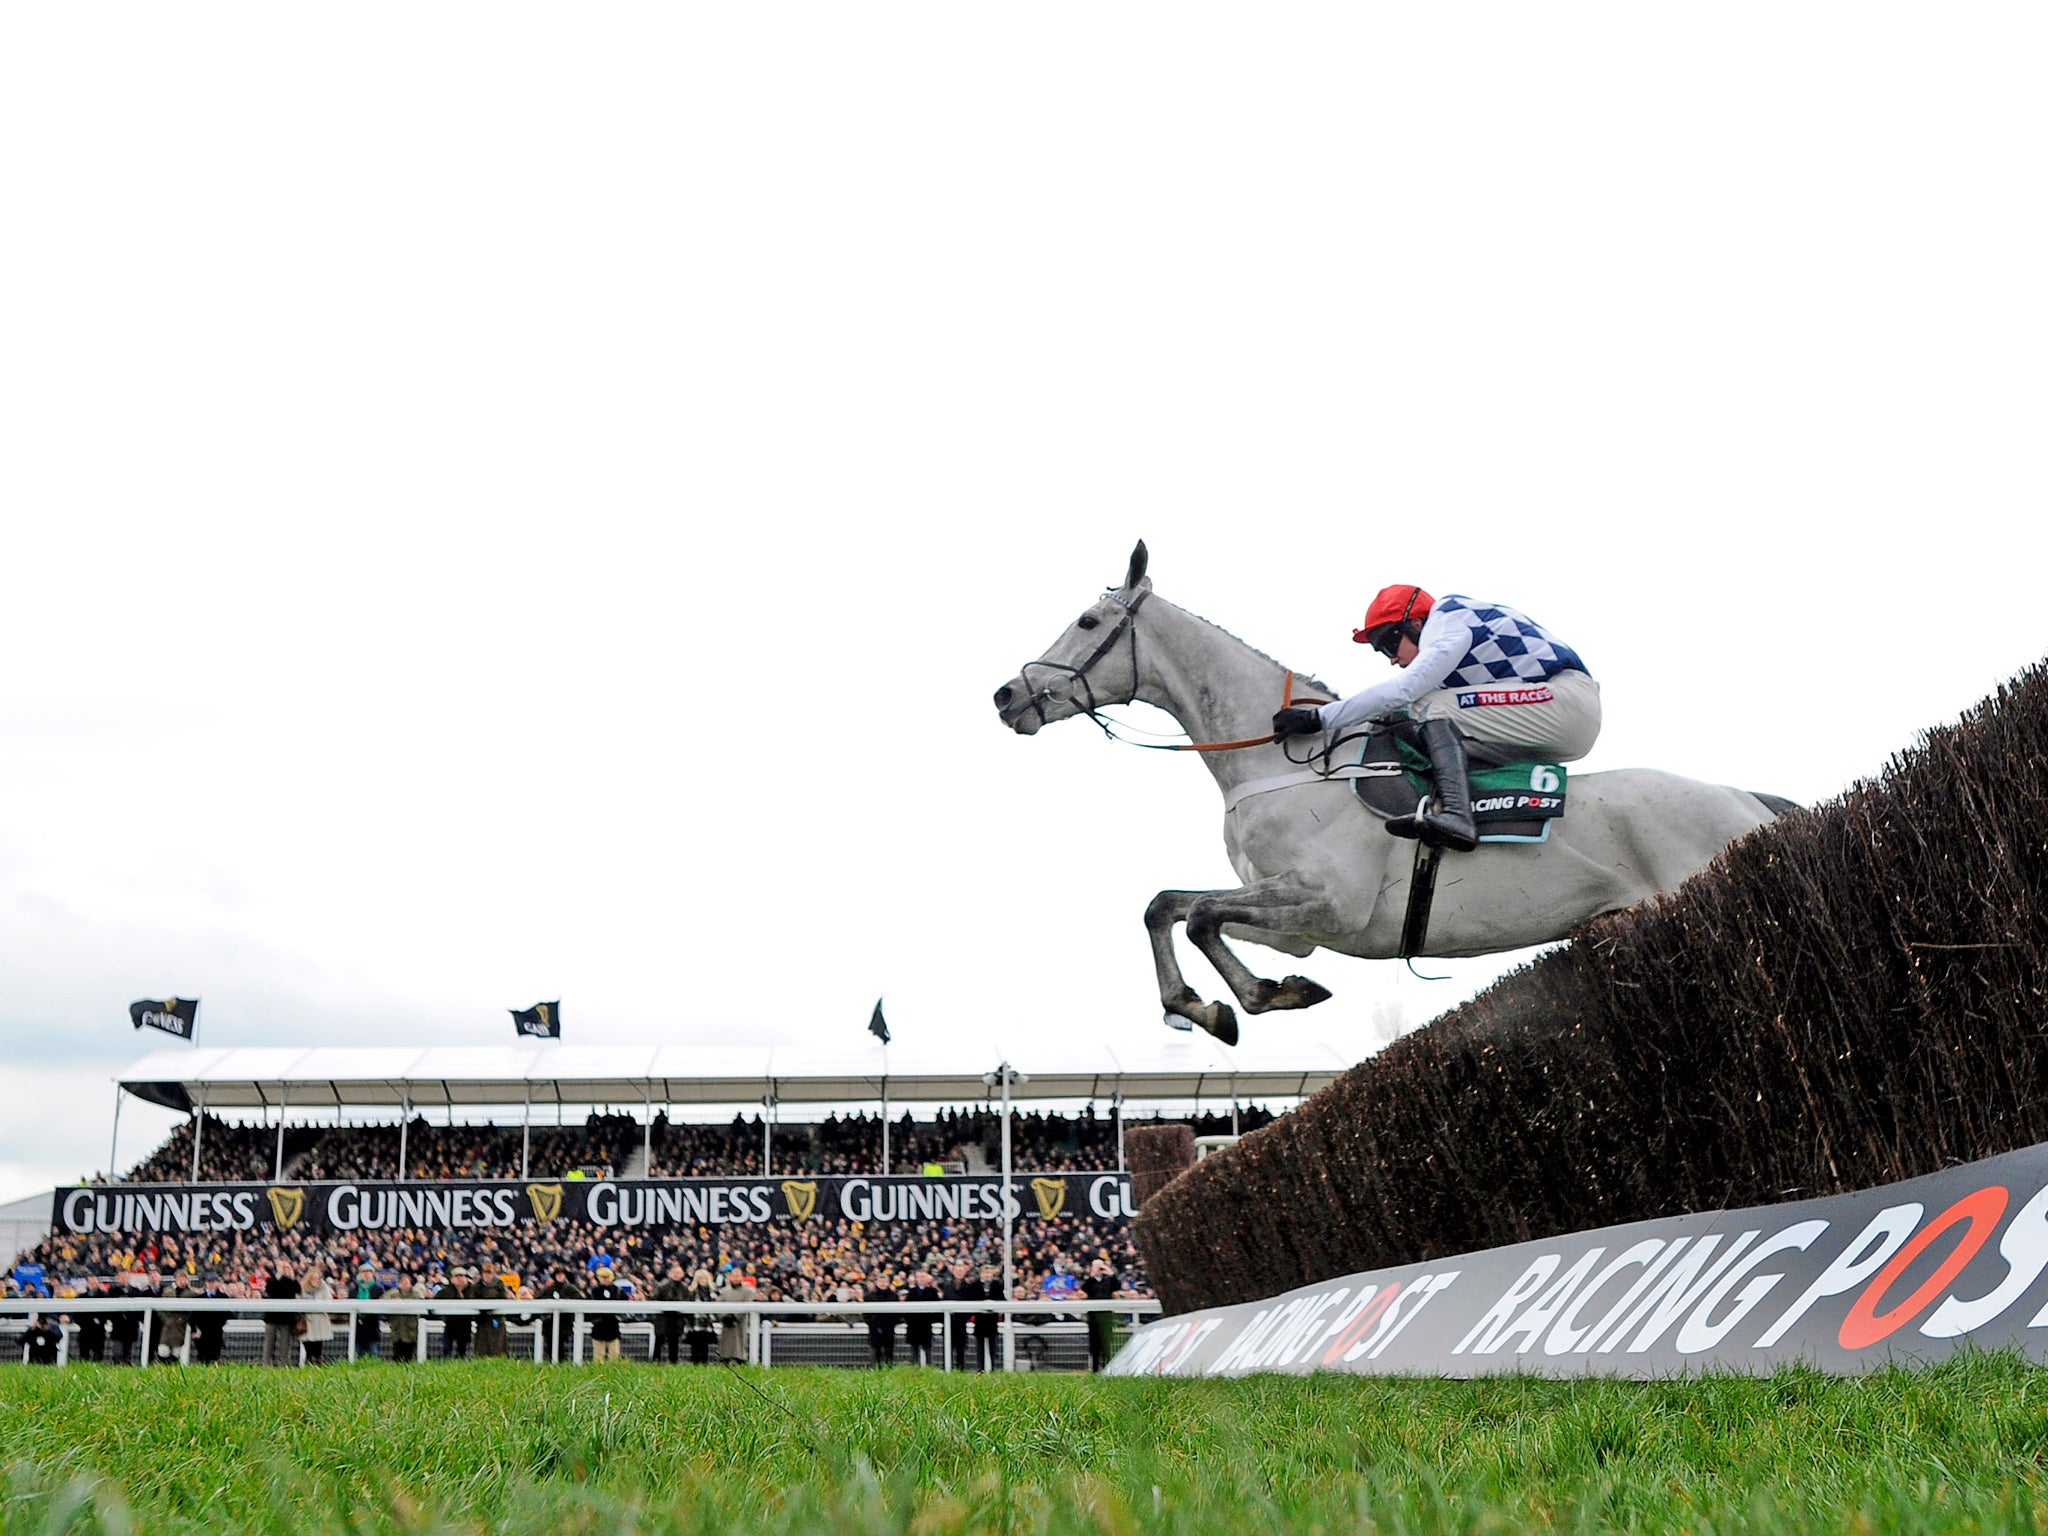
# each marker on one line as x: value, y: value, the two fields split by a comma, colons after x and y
x: 1386, y: 639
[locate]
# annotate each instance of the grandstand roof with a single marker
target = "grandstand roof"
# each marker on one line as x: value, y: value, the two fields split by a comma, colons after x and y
x: 1183, y: 1068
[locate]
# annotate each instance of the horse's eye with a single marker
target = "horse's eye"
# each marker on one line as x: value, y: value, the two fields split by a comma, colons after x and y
x: 1088, y: 621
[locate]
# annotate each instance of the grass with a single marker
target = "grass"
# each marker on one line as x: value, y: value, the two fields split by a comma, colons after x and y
x: 502, y: 1446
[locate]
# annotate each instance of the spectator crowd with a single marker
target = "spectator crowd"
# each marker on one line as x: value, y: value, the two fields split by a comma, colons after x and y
x: 605, y: 1144
x: 785, y: 1261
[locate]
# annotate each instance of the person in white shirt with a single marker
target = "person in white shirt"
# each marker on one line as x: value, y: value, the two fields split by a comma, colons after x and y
x: 1468, y: 670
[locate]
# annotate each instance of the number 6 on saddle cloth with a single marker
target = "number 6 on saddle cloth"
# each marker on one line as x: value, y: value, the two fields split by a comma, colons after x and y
x: 1513, y: 801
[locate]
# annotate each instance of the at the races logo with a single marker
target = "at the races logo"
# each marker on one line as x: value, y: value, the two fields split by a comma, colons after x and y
x: 1493, y: 698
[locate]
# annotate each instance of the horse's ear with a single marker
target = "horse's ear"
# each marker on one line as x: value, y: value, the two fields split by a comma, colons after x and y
x: 1136, y: 573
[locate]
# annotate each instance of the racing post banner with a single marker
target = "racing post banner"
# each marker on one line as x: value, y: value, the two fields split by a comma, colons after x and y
x: 1910, y: 1271
x: 659, y: 1204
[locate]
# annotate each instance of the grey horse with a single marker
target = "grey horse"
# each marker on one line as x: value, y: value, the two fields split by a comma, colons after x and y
x: 1319, y: 870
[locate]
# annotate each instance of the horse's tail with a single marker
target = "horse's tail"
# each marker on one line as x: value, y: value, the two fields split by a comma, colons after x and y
x: 1777, y: 805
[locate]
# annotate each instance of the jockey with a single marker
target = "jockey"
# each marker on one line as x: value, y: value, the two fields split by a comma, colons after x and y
x: 1468, y: 670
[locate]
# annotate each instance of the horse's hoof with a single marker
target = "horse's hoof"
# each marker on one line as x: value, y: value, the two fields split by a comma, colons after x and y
x: 1299, y: 992
x: 1221, y: 1021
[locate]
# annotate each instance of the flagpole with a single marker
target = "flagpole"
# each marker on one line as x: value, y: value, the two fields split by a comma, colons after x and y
x: 885, y: 1109
x: 198, y: 1129
x: 112, y: 1161
x: 1009, y: 1252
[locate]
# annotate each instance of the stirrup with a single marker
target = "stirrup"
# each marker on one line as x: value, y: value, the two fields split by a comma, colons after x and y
x: 1429, y: 826
x: 1438, y: 829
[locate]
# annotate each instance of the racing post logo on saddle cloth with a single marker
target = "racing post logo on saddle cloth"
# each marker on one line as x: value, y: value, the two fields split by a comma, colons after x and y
x: 1051, y: 1195
x: 286, y: 1207
x: 802, y: 1195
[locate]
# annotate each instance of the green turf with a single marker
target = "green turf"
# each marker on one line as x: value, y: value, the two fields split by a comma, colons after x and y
x: 504, y: 1446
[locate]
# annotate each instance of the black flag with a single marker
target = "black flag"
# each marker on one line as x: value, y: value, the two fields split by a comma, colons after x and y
x: 877, y: 1025
x: 543, y: 1019
x: 174, y: 1016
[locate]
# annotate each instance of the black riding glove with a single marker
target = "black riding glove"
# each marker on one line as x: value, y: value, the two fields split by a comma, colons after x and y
x: 1299, y: 721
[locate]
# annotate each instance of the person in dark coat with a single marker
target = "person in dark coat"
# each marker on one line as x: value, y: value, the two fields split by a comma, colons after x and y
x: 281, y: 1329
x: 369, y: 1328
x: 44, y: 1335
x: 960, y: 1286
x: 917, y: 1327
x: 881, y: 1325
x: 458, y: 1327
x: 173, y: 1327
x: 558, y: 1329
x: 604, y: 1326
x: 124, y: 1331
x: 91, y: 1343
x: 988, y: 1326
x: 405, y: 1326
x: 668, y: 1326
x: 1100, y: 1285
x: 492, y: 1327
x: 209, y: 1329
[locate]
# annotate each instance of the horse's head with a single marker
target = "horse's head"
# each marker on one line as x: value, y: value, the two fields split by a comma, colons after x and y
x: 1094, y: 663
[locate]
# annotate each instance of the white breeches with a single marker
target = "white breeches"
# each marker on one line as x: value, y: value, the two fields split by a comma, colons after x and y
x: 1559, y: 720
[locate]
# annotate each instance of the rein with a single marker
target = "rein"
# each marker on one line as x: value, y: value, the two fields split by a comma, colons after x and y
x: 1286, y: 702
x: 1128, y: 624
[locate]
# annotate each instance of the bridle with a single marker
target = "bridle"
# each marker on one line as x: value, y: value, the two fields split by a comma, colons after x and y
x: 1128, y: 625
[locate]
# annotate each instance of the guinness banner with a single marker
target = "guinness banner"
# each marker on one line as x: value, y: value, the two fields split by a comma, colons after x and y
x: 135, y: 1209
x: 1911, y: 1271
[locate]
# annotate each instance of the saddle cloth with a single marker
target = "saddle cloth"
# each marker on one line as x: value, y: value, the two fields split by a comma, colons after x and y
x: 1513, y: 802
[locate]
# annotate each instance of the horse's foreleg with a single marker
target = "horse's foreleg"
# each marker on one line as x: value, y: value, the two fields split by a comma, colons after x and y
x: 1180, y: 1000
x: 1281, y: 905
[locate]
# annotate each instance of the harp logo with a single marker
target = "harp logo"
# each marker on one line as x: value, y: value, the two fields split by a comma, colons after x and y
x: 546, y: 1200
x: 802, y: 1197
x: 1051, y: 1195
x: 286, y: 1207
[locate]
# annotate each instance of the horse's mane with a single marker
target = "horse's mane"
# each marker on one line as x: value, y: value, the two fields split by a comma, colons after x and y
x: 1305, y: 677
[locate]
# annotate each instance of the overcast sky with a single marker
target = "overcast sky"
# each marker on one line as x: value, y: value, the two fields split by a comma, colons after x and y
x: 507, y: 503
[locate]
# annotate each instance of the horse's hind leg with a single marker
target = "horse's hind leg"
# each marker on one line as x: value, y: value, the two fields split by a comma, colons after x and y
x: 1175, y: 995
x: 1282, y: 905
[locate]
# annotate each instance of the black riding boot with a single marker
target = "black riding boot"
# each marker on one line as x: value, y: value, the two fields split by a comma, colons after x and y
x: 1450, y: 824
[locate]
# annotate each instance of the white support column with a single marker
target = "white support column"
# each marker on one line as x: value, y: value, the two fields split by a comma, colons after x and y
x: 526, y: 1134
x: 113, y: 1166
x: 1119, y: 1108
x: 1007, y: 1073
x: 284, y: 1097
x: 198, y: 1130
x: 767, y: 1134
x: 404, y: 1124
x: 647, y: 1135
x: 885, y: 1125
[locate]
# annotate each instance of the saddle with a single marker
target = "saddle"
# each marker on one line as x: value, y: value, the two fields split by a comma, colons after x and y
x: 1513, y: 800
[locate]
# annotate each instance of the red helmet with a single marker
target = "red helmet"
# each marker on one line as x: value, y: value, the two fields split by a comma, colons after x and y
x: 1395, y: 605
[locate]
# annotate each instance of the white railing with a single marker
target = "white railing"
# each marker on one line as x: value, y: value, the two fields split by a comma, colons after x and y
x: 762, y: 1318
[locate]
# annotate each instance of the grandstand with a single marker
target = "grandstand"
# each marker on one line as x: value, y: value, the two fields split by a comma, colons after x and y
x: 302, y: 1124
